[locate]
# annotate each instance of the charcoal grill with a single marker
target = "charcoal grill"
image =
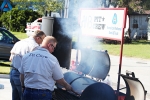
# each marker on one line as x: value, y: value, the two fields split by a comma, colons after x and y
x: 93, y: 67
x: 60, y: 94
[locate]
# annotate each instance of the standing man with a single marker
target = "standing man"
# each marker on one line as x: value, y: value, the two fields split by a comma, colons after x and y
x: 21, y: 48
x: 40, y: 70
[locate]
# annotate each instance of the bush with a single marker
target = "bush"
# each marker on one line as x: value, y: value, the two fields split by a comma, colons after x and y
x: 16, y: 20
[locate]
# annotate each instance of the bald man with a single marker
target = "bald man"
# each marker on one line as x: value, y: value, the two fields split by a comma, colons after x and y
x: 40, y: 70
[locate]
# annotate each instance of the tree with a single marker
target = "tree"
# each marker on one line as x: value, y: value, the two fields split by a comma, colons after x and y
x: 40, y: 5
x: 146, y: 5
x: 48, y: 5
x: 134, y: 6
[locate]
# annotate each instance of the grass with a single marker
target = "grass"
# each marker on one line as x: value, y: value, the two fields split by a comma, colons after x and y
x: 138, y: 49
x: 5, y: 67
x: 20, y: 35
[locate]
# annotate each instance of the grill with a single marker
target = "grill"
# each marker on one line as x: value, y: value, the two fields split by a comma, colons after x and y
x: 94, y: 66
x: 60, y: 94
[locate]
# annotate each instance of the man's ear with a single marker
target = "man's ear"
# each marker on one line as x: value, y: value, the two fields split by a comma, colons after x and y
x: 48, y: 44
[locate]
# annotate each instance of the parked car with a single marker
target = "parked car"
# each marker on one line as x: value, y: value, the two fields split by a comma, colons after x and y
x: 7, y: 41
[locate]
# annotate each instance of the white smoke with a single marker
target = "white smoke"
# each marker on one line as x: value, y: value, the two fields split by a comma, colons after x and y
x: 71, y: 25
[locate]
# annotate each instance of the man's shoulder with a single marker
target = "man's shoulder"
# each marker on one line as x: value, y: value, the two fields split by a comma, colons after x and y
x: 23, y: 40
x: 30, y: 41
x: 52, y: 57
x: 45, y: 52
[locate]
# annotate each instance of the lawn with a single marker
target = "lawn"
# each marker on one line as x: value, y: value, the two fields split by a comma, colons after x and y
x: 20, y: 35
x: 4, y: 67
x: 138, y: 49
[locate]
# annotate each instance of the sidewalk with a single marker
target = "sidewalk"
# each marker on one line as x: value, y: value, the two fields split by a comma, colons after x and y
x: 140, y: 67
x: 5, y: 94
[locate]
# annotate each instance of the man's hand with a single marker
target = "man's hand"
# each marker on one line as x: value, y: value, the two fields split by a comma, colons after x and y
x: 69, y: 88
x: 66, y: 85
x: 23, y: 88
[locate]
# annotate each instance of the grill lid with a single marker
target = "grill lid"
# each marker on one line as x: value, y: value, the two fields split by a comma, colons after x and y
x: 94, y: 63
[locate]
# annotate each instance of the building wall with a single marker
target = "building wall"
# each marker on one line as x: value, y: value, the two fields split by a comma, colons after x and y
x: 138, y: 26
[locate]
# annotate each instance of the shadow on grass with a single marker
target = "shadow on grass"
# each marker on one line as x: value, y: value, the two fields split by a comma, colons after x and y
x: 4, y: 65
x: 140, y: 42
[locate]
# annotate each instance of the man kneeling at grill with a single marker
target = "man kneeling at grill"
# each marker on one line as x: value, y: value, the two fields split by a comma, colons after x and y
x: 39, y: 71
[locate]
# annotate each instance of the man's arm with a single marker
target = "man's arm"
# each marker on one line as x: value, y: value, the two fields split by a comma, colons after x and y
x: 11, y: 57
x: 64, y: 84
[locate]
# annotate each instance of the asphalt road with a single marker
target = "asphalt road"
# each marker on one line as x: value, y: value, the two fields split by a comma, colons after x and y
x: 141, y: 68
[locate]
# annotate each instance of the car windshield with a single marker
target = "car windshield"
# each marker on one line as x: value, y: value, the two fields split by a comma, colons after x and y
x: 7, y: 37
x: 6, y: 34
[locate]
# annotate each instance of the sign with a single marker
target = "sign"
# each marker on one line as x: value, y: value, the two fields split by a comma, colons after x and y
x: 107, y: 23
x: 6, y: 6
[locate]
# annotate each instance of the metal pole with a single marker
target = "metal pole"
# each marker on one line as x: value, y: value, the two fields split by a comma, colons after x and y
x: 121, y: 50
x: 66, y: 8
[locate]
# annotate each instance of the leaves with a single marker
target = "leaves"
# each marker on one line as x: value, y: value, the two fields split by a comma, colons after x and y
x: 16, y: 19
x: 50, y: 5
x: 135, y: 6
x: 40, y: 5
x: 146, y: 5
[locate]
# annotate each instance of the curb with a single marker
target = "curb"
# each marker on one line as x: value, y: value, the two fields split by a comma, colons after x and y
x: 6, y: 76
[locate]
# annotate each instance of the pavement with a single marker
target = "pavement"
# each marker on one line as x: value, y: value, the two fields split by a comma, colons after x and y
x: 141, y: 68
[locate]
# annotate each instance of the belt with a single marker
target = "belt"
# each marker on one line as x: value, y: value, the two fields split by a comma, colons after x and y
x: 33, y: 89
x: 14, y: 68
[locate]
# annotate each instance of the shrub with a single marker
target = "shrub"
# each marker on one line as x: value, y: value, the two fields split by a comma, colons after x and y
x: 16, y: 20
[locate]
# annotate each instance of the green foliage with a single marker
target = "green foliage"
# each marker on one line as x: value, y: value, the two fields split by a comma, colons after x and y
x: 4, y: 19
x: 53, y: 5
x: 146, y: 5
x: 50, y: 5
x: 16, y: 20
x: 134, y: 6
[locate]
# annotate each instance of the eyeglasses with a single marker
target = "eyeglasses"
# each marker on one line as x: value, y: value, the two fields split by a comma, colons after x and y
x: 53, y: 46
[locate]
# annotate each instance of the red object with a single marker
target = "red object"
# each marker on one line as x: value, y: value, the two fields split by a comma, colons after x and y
x: 73, y: 65
x: 121, y: 97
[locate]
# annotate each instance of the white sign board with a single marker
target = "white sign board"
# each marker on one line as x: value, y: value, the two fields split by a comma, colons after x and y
x: 102, y: 23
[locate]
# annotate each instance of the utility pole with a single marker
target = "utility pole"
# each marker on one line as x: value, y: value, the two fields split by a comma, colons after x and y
x: 66, y: 8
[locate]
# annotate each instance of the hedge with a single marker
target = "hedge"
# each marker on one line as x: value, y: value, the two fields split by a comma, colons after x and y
x: 16, y: 20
